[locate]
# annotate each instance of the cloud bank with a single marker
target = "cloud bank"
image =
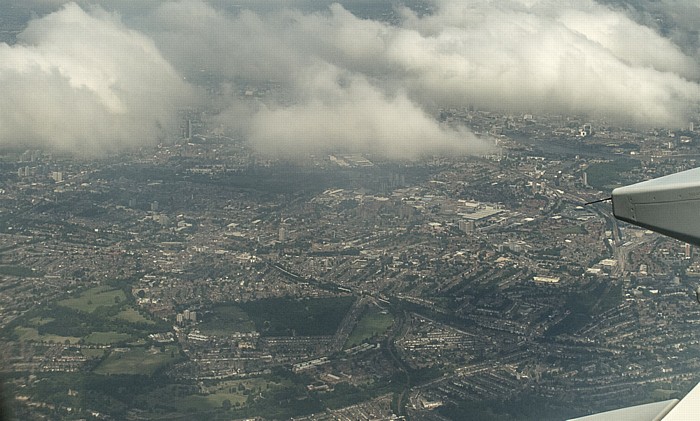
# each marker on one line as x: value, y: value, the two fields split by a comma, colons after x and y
x: 84, y: 83
x: 83, y: 77
x: 345, y: 113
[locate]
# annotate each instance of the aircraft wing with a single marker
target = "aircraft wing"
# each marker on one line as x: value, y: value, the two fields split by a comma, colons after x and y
x: 672, y: 410
x: 669, y: 205
x: 648, y: 412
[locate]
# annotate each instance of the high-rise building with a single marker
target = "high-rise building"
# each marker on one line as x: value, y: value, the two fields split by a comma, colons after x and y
x: 586, y: 130
x: 467, y: 226
x: 162, y: 219
x: 282, y: 234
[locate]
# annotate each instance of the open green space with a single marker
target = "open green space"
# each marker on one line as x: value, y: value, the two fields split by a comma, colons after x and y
x: 302, y: 317
x: 72, y: 322
x: 39, y: 321
x: 199, y: 403
x: 607, y: 175
x: 84, y: 317
x: 277, y: 316
x: 106, y: 338
x: 32, y: 334
x: 597, y: 298
x: 93, y: 353
x: 90, y: 300
x: 236, y: 392
x: 137, y: 360
x: 19, y: 271
x: 117, y: 391
x: 372, y: 323
x: 131, y: 315
x: 224, y: 319
x: 523, y: 406
x: 665, y: 394
x: 114, y: 395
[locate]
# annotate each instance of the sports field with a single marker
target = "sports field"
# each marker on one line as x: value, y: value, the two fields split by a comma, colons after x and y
x: 137, y: 360
x: 373, y: 323
x: 89, y: 300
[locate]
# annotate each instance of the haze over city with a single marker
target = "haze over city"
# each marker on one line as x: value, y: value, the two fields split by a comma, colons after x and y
x: 350, y: 210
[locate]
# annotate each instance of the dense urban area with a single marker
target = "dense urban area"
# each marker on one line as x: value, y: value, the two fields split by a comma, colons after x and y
x: 200, y: 279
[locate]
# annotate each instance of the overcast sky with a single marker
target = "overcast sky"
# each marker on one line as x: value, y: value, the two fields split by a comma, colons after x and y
x: 89, y: 78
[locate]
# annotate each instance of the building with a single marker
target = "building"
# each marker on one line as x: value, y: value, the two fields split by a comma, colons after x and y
x: 467, y: 226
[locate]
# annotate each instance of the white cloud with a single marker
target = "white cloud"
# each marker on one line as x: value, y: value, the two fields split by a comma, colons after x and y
x: 345, y: 82
x: 345, y: 113
x: 327, y: 107
x: 521, y: 56
x: 84, y: 83
x: 577, y: 58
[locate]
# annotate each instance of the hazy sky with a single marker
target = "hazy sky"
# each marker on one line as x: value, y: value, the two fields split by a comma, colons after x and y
x: 89, y: 78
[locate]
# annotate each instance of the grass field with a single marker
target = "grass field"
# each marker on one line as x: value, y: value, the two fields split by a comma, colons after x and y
x: 39, y: 321
x: 236, y: 391
x: 226, y: 319
x: 106, y: 338
x: 607, y: 175
x: 664, y: 394
x: 137, y: 361
x: 208, y: 402
x: 289, y: 317
x: 93, y: 353
x: 19, y: 271
x: 132, y: 316
x: 371, y: 324
x: 31, y: 334
x: 89, y: 300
